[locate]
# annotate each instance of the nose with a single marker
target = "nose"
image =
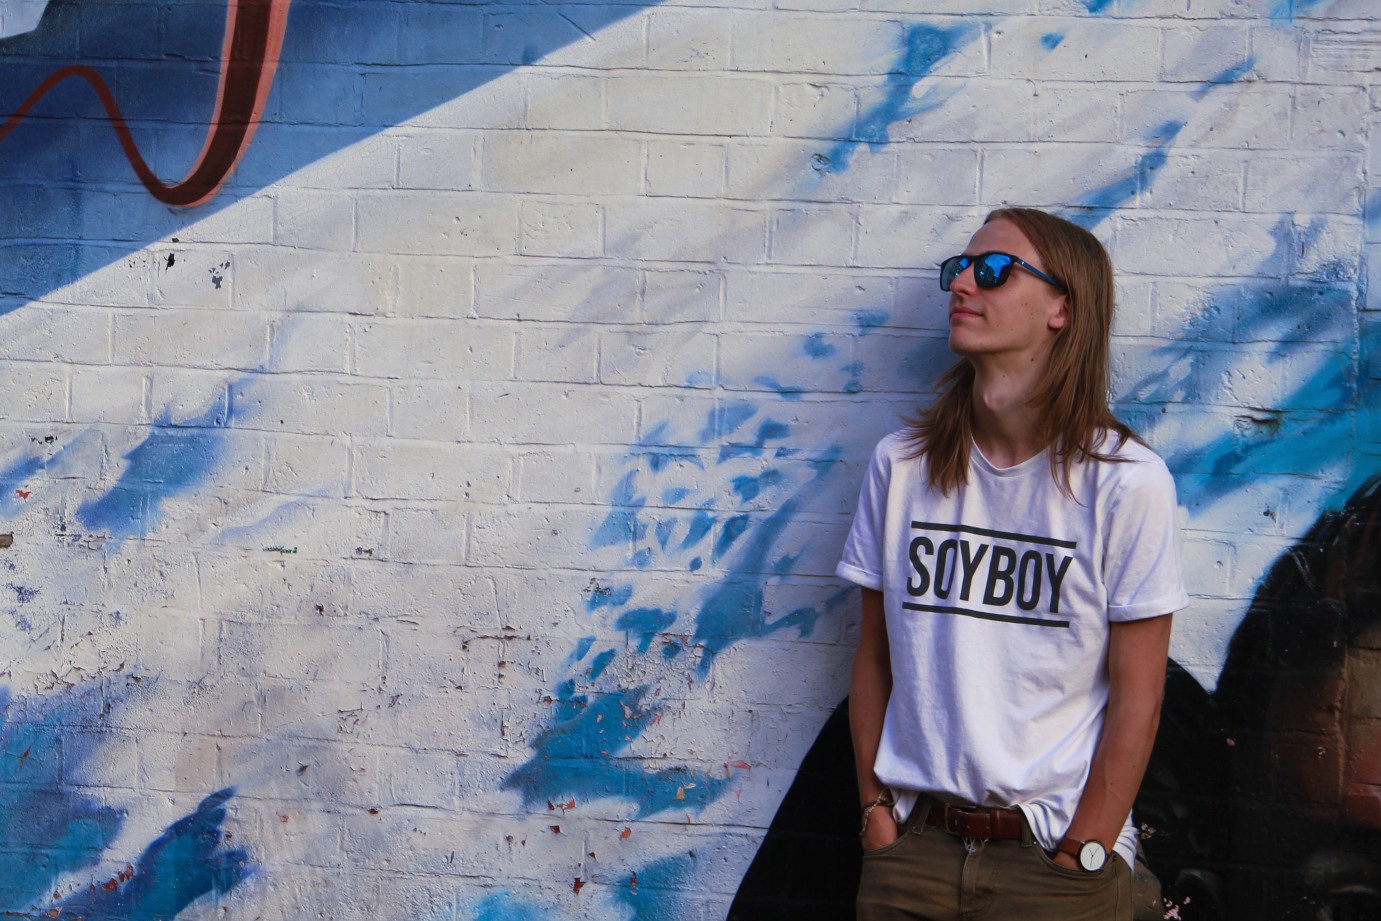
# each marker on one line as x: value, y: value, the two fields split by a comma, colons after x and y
x: 964, y: 282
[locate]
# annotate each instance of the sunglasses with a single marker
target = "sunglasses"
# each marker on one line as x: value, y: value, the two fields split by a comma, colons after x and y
x: 990, y: 270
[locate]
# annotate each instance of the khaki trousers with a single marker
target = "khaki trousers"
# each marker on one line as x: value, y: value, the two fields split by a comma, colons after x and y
x: 928, y: 874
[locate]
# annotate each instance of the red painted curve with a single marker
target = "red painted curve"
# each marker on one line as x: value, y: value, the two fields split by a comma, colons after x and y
x: 253, y: 41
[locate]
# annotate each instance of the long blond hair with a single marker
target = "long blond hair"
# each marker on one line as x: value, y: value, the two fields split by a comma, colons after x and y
x: 1071, y: 398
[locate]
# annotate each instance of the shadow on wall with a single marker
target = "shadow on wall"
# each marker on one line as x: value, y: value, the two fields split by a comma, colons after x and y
x: 52, y: 835
x: 1262, y: 801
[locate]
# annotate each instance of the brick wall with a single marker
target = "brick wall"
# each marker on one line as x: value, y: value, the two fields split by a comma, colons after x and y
x: 462, y: 484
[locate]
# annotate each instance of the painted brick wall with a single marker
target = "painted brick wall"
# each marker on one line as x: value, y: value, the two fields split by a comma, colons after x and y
x: 439, y: 522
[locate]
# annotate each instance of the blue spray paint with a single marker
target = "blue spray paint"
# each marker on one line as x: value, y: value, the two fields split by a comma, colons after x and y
x: 653, y: 894
x: 1095, y: 205
x: 14, y: 478
x: 174, y: 458
x: 645, y: 624
x: 923, y: 47
x: 181, y: 866
x: 816, y: 347
x: 1233, y: 74
x: 583, y: 757
x: 505, y: 906
x: 1051, y: 40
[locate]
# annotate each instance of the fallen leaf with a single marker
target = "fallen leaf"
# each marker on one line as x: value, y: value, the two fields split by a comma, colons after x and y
x: 579, y: 884
x: 556, y: 829
x: 680, y: 792
x: 625, y: 834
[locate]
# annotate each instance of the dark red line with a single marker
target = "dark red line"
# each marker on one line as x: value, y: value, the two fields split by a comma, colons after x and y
x: 253, y: 40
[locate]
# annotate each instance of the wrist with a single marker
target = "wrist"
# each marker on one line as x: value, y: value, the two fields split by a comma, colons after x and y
x: 885, y: 799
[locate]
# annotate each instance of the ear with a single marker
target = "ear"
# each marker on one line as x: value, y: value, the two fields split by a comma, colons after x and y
x: 1059, y: 315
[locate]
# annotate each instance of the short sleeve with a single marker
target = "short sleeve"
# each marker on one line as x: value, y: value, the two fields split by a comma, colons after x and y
x: 861, y: 562
x: 1142, y: 570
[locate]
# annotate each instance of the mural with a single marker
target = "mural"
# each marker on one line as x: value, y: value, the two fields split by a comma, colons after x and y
x: 429, y: 429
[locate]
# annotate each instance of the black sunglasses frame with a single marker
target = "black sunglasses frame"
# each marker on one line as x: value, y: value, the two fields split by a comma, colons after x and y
x: 986, y: 274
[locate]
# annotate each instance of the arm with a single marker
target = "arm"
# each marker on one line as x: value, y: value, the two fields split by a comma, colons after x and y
x: 870, y: 685
x: 1137, y: 652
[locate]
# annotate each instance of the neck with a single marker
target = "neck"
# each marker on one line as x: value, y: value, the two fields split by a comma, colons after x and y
x: 1005, y: 427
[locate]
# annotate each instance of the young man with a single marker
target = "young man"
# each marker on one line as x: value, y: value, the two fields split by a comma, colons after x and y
x: 1019, y: 559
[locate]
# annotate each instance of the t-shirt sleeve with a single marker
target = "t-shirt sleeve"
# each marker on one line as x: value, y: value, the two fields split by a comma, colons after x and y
x: 1143, y: 572
x: 862, y: 558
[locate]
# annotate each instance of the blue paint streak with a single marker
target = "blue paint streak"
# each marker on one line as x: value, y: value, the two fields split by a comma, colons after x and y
x: 1232, y: 74
x: 182, y: 865
x: 816, y: 347
x: 609, y: 597
x: 174, y: 458
x: 645, y: 623
x: 657, y: 896
x: 601, y: 662
x: 582, y: 647
x: 923, y: 47
x: 1097, y: 6
x: 674, y: 495
x: 725, y: 420
x: 583, y: 758
x: 1051, y: 40
x: 700, y: 525
x: 734, y: 528
x: 622, y: 524
x: 749, y: 487
x: 867, y: 320
x: 504, y: 906
x: 786, y: 391
x: 1094, y: 206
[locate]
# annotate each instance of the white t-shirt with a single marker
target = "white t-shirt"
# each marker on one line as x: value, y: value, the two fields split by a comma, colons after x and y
x: 998, y: 599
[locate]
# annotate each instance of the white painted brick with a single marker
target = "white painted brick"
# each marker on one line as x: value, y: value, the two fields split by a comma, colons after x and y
x: 851, y: 44
x: 774, y: 296
x: 688, y: 39
x: 1072, y: 112
x: 430, y: 410
x: 679, y: 232
x: 768, y: 362
x: 682, y: 296
x: 109, y: 395
x: 311, y: 342
x: 1279, y: 53
x: 955, y: 115
x: 570, y: 229
x: 555, y: 475
x: 1223, y: 245
x: 318, y: 282
x: 1328, y: 247
x: 435, y: 286
x: 560, y: 353
x: 191, y: 338
x: 901, y: 364
x: 819, y: 171
x: 1199, y: 182
x: 440, y: 159
x: 1305, y: 183
x: 674, y: 357
x: 1329, y: 116
x: 540, y: 538
x: 1092, y: 50
x: 692, y: 169
x: 573, y: 101
x: 931, y: 176
x: 538, y: 414
x: 309, y: 405
x: 688, y: 103
x: 436, y: 223
x: 426, y: 535
x: 35, y: 391
x: 813, y: 236
x: 469, y: 349
x: 58, y: 334
x: 817, y: 110
x: 315, y: 220
x: 896, y: 237
x: 187, y: 276
x: 297, y: 651
x: 305, y: 465
x: 395, y: 469
x: 1248, y: 116
x: 1201, y: 53
x: 560, y: 162
x: 535, y: 290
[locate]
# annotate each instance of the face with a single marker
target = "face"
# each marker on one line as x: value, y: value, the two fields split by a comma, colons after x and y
x: 1015, y: 322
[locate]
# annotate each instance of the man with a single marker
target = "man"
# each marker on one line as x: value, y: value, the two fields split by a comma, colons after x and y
x: 1019, y: 559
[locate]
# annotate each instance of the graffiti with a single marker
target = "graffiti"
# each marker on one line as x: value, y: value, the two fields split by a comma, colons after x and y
x: 253, y: 39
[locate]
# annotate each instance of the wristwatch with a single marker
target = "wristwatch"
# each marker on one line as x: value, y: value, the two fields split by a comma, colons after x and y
x: 1090, y: 855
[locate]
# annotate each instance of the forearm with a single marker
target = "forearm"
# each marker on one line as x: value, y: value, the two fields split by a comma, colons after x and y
x: 1136, y: 673
x: 870, y: 686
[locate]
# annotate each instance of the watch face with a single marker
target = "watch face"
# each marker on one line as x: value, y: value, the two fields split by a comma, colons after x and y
x: 1092, y: 856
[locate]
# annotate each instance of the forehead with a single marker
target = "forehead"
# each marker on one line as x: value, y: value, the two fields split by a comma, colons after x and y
x: 1002, y: 236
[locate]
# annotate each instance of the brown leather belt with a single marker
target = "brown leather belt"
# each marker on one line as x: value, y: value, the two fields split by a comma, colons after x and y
x: 988, y: 823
